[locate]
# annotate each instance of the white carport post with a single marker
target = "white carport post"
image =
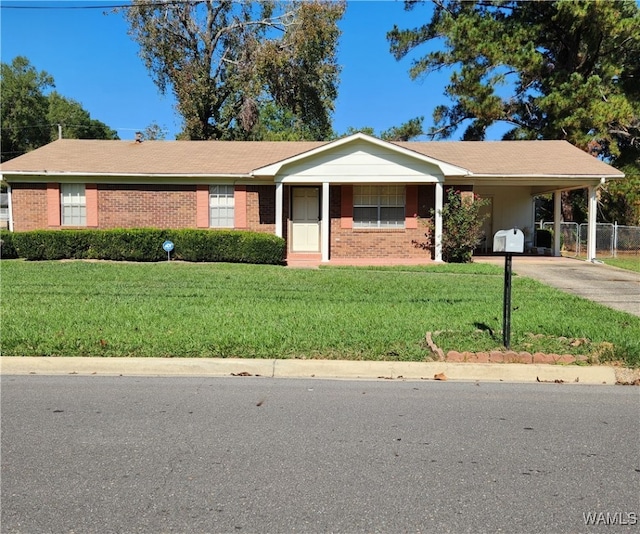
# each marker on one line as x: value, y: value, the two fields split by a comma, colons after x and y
x: 438, y: 221
x: 557, y: 219
x: 279, y: 211
x: 325, y: 223
x: 591, y: 227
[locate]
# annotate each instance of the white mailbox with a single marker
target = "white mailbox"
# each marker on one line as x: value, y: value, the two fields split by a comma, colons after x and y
x: 508, y: 241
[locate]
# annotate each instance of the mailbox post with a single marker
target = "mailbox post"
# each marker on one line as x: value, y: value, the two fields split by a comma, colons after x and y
x: 508, y: 242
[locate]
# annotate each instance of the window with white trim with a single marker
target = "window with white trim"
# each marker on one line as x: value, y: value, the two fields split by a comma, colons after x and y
x: 73, y: 205
x: 221, y: 206
x: 378, y: 206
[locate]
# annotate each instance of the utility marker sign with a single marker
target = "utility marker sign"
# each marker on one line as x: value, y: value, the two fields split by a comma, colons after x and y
x: 168, y: 247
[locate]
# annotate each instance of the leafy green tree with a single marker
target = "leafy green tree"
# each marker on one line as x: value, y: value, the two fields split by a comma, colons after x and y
x: 552, y: 70
x: 405, y: 132
x: 29, y: 116
x: 75, y: 121
x: 23, y: 108
x: 224, y: 61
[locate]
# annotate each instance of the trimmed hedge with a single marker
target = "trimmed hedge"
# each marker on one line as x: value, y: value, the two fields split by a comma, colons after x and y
x: 145, y: 244
x: 7, y: 249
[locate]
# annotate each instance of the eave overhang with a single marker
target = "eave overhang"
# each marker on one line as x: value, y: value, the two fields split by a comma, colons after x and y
x: 123, y: 178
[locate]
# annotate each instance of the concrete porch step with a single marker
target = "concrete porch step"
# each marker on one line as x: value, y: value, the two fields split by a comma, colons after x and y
x: 303, y: 259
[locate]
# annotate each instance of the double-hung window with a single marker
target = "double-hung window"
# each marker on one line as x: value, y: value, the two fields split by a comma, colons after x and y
x: 73, y: 204
x: 221, y: 206
x: 378, y: 206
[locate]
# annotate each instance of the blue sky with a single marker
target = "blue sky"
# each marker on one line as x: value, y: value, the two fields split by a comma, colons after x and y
x: 94, y: 61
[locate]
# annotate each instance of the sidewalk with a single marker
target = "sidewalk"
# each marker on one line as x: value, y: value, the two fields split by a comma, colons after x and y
x: 328, y: 369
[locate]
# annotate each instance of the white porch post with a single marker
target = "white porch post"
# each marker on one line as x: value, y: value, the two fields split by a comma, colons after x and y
x: 10, y: 206
x: 591, y: 227
x: 438, y: 221
x: 557, y: 216
x: 279, y: 204
x: 326, y: 223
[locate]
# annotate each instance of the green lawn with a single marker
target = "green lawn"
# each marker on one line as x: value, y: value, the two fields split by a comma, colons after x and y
x: 631, y: 263
x: 173, y: 309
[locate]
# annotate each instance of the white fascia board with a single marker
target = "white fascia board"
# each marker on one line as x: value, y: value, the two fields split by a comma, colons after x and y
x: 446, y: 168
x: 294, y: 179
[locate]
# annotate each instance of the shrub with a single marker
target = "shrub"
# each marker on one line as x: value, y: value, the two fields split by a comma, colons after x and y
x: 51, y: 245
x: 7, y: 249
x: 145, y: 244
x: 262, y: 248
x: 461, y: 227
x: 136, y: 244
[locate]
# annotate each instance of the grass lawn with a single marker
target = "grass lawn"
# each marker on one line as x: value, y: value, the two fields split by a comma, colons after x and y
x: 631, y: 263
x: 174, y: 309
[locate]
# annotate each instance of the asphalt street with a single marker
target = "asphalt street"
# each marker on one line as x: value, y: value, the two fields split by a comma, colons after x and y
x: 92, y: 454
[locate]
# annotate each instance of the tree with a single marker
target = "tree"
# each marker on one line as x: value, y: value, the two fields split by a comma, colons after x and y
x: 227, y: 61
x: 405, y: 132
x: 552, y: 70
x: 154, y: 132
x: 23, y: 108
x: 29, y: 116
x: 75, y: 121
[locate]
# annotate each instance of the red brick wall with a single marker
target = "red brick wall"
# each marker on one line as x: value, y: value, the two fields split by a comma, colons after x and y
x: 139, y: 206
x: 373, y: 243
x: 29, y: 202
x: 261, y: 208
x: 175, y: 207
x: 146, y: 206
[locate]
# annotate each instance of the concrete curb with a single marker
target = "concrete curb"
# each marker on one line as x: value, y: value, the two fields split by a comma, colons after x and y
x: 333, y: 369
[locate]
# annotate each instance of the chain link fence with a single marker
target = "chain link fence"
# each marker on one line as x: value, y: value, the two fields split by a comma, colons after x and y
x: 612, y: 240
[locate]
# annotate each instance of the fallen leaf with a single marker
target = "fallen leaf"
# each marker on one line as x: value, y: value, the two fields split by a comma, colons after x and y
x: 439, y: 376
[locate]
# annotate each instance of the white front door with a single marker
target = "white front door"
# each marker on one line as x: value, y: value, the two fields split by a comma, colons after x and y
x: 305, y: 220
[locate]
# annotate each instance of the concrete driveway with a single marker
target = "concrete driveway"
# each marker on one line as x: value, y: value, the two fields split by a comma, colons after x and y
x: 617, y: 288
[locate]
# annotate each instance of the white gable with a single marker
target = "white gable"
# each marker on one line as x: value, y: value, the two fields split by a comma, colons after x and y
x: 360, y: 159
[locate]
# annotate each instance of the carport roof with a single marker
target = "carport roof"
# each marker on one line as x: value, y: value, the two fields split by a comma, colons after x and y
x: 516, y: 158
x: 229, y: 158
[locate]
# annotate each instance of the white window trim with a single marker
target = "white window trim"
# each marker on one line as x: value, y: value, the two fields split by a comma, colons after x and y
x: 73, y: 198
x: 229, y: 206
x: 400, y: 224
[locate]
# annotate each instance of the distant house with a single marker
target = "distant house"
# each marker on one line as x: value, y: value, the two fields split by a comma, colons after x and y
x: 356, y: 199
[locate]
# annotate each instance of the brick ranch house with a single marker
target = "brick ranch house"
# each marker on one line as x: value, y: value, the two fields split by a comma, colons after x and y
x: 354, y: 200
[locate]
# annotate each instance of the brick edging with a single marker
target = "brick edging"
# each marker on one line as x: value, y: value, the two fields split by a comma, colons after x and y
x: 498, y: 356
